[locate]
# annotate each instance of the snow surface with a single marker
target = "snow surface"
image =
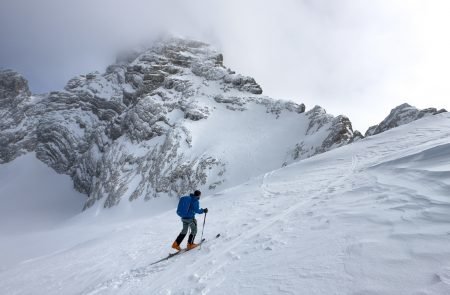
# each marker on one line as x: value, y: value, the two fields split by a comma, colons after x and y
x: 367, y: 218
x: 34, y: 196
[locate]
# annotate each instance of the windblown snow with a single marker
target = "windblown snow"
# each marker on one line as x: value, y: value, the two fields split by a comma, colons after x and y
x: 371, y: 217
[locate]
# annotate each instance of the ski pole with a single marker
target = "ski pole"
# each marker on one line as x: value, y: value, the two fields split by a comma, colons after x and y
x: 204, y: 220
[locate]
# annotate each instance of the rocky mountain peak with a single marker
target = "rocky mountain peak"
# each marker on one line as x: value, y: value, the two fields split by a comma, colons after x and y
x: 167, y: 64
x: 13, y: 87
x: 161, y: 121
x: 400, y: 115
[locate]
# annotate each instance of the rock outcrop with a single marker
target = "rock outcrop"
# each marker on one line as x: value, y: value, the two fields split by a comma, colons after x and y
x: 17, y: 135
x: 402, y: 114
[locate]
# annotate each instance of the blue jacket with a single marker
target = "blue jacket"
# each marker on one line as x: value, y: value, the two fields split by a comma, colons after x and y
x: 193, y: 208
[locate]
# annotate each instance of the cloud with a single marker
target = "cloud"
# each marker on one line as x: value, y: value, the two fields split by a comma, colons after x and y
x: 358, y: 58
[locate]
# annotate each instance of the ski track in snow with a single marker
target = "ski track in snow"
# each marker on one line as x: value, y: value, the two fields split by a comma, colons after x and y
x: 368, y: 218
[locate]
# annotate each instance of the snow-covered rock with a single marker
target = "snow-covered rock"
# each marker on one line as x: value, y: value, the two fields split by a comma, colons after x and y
x: 161, y: 121
x: 400, y: 115
x: 13, y: 87
x: 15, y: 133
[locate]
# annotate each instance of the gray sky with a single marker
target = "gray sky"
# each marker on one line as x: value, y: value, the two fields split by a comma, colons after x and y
x: 354, y: 57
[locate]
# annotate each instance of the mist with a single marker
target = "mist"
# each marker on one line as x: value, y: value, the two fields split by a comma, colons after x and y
x: 358, y: 58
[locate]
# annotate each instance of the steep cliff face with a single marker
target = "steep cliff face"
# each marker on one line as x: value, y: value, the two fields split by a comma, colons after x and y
x: 403, y: 114
x: 17, y: 135
x: 161, y: 122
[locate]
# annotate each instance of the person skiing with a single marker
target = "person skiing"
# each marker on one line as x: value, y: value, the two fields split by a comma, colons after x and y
x: 188, y: 206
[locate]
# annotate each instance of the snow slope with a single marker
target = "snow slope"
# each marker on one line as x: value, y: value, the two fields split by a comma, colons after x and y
x: 34, y: 199
x: 367, y: 218
x: 34, y: 196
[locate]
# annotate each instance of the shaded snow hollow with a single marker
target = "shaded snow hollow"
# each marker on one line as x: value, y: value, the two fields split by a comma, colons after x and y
x: 367, y: 218
x: 34, y: 196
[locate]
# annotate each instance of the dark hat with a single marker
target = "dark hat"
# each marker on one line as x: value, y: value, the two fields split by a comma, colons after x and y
x: 197, y: 193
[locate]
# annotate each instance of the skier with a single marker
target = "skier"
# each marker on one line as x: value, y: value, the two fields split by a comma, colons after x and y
x: 187, y: 208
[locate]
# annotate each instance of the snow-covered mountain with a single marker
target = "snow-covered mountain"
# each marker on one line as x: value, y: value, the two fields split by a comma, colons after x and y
x: 371, y: 217
x: 400, y: 115
x: 161, y: 121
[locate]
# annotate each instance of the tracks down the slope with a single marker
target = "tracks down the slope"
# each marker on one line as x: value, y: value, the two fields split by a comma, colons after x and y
x: 162, y: 278
x: 162, y: 281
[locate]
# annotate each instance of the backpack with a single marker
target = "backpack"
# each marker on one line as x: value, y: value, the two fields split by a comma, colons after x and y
x: 184, y: 205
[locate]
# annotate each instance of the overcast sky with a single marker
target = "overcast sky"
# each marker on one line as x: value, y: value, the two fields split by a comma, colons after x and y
x: 353, y: 57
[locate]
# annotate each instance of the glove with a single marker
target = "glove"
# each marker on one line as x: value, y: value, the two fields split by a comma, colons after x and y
x: 205, y: 210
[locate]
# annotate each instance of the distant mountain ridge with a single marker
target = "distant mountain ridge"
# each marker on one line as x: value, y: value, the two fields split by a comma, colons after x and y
x: 161, y: 122
x: 400, y: 115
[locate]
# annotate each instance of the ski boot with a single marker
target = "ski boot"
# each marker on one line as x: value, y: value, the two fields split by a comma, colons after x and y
x: 176, y: 246
x: 191, y: 246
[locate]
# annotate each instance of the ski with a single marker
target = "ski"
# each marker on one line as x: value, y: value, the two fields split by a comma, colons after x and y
x: 181, y: 251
